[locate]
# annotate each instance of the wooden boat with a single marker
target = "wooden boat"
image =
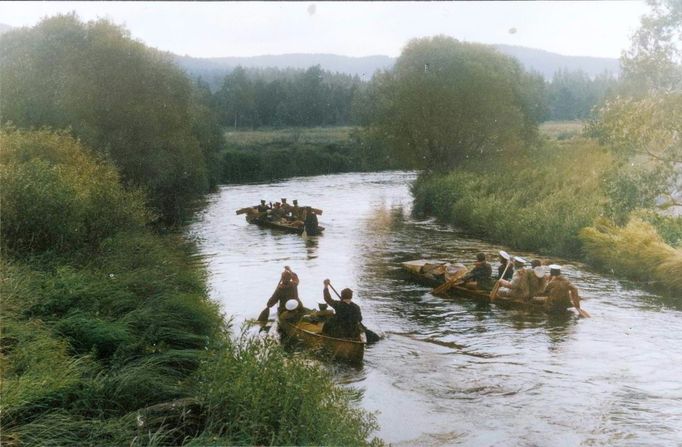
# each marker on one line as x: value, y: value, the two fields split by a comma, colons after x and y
x: 310, y: 335
x: 282, y: 224
x: 434, y: 273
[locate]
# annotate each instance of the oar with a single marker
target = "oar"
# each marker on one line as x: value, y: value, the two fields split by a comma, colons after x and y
x: 372, y: 337
x: 493, y: 292
x: 265, y: 313
x: 449, y: 283
x: 581, y: 312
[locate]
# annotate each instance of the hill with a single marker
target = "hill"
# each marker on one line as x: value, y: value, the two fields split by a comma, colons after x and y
x: 544, y: 62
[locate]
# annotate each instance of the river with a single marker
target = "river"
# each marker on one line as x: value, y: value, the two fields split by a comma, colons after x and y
x: 455, y: 372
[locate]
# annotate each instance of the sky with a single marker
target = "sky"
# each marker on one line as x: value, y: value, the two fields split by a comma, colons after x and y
x: 215, y: 29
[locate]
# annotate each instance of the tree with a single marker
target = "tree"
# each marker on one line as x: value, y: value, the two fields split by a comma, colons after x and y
x: 123, y: 99
x: 445, y: 101
x: 644, y: 127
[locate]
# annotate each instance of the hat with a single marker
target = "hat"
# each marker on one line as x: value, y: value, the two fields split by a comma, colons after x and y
x: 262, y: 201
x: 504, y: 255
x: 519, y: 259
x: 539, y: 272
x: 554, y: 269
x: 295, y: 202
x: 291, y: 305
x: 284, y: 200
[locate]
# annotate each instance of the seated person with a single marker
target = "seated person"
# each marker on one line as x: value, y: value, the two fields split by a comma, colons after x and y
x: 518, y: 288
x: 480, y: 277
x: 347, y: 319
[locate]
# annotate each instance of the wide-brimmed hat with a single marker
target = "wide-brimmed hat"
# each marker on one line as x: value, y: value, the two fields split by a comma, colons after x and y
x: 539, y: 271
x: 519, y: 260
x: 291, y: 305
x: 505, y: 255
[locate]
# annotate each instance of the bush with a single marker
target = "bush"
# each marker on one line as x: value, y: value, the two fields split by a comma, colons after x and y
x: 255, y: 395
x: 57, y: 196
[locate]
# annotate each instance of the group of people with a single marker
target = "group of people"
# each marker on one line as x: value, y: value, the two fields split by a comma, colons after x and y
x: 291, y: 214
x: 344, y: 322
x: 519, y: 282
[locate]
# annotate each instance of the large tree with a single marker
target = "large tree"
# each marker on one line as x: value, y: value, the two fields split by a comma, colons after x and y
x: 644, y: 126
x: 121, y: 98
x: 445, y: 101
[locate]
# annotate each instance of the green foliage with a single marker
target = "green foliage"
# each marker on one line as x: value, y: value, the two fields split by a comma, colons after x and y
x: 446, y: 101
x: 57, y: 196
x: 573, y: 95
x: 268, y: 155
x: 119, y: 97
x: 539, y: 201
x: 313, y: 97
x: 267, y: 398
x: 635, y: 251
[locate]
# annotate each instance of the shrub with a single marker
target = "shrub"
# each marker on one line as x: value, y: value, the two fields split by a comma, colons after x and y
x: 57, y: 196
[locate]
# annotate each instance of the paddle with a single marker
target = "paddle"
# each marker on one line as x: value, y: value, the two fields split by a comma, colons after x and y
x: 449, y: 283
x: 372, y: 337
x: 493, y: 293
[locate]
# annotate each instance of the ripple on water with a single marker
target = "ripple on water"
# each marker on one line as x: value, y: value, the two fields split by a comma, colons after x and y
x: 454, y: 371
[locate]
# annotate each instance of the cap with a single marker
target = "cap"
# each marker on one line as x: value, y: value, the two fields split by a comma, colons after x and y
x: 291, y: 305
x: 554, y: 269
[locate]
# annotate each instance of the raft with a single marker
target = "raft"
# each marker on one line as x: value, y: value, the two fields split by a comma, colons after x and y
x: 310, y: 335
x: 281, y: 225
x: 425, y: 271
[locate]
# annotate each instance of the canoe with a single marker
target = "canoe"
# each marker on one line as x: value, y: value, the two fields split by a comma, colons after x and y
x: 279, y: 225
x: 310, y: 335
x: 425, y: 271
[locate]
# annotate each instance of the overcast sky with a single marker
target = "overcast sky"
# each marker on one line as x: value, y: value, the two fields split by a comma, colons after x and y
x: 213, y: 29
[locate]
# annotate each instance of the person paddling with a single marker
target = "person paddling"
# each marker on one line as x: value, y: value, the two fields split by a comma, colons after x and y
x: 561, y: 293
x: 347, y: 320
x: 286, y: 290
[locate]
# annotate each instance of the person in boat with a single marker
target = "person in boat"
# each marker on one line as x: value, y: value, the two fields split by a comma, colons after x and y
x: 286, y: 207
x: 537, y: 279
x: 518, y: 287
x: 561, y: 293
x: 263, y: 207
x: 347, y: 319
x: 310, y: 223
x: 293, y: 311
x: 277, y: 212
x: 296, y: 211
x: 480, y: 276
x: 503, y: 266
x: 286, y: 290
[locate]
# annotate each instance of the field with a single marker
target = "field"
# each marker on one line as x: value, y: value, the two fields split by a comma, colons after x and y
x: 561, y: 130
x: 289, y: 136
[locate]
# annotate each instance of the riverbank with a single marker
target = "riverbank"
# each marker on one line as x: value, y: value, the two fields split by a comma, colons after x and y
x: 273, y: 154
x: 549, y: 201
x: 109, y: 337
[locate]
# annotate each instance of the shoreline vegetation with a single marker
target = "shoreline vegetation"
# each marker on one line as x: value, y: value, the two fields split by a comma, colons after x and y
x: 108, y: 336
x: 541, y: 202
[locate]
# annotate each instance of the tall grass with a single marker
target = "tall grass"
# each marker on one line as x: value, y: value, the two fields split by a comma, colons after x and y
x: 108, y: 336
x: 636, y: 251
x: 539, y: 201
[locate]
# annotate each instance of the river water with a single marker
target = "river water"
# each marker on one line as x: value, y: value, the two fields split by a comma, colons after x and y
x: 453, y: 372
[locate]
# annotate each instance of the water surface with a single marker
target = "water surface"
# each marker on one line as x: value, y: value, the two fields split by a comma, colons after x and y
x: 456, y: 372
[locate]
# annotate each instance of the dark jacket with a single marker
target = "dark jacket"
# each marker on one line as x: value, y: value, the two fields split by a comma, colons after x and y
x: 482, y: 274
x: 508, y: 275
x: 346, y: 321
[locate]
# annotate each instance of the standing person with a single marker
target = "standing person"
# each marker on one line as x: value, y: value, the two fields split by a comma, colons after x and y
x: 310, y: 223
x: 518, y: 288
x: 286, y: 290
x: 561, y: 293
x: 481, y: 275
x: 347, y: 319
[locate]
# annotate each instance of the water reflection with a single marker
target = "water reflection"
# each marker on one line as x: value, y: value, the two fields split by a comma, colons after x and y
x: 457, y: 371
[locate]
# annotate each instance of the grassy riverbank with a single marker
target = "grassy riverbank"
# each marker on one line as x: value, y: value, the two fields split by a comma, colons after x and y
x: 280, y: 153
x: 558, y: 200
x: 108, y: 336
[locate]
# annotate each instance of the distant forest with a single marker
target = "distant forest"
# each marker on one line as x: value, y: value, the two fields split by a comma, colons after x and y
x: 250, y: 98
